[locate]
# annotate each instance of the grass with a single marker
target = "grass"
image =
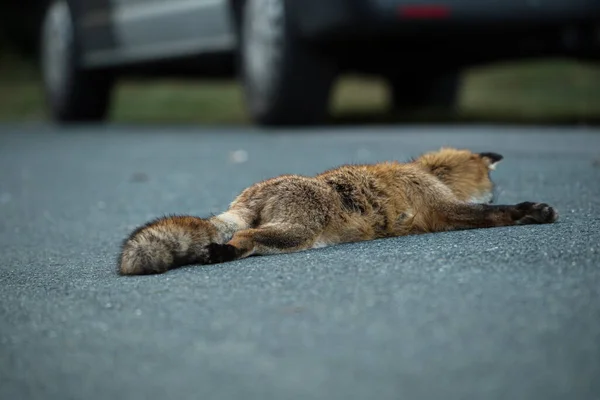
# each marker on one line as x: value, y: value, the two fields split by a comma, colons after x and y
x: 551, y: 91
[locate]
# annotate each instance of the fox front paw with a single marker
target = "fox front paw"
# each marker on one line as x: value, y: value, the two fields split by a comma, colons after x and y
x: 535, y: 213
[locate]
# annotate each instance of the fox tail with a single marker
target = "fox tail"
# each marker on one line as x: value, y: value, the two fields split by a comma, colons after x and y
x: 174, y: 241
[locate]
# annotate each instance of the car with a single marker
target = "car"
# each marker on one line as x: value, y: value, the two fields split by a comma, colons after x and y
x: 289, y: 53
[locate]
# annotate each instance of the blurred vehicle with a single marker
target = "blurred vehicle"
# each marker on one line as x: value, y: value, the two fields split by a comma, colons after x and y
x: 288, y: 53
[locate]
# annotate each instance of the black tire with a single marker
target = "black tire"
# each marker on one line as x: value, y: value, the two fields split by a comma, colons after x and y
x: 72, y: 94
x: 294, y: 85
x: 411, y: 92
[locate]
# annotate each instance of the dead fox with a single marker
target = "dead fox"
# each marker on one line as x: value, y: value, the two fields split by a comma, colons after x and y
x: 445, y: 190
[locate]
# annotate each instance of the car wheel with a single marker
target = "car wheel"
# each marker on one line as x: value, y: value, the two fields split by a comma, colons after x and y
x: 411, y: 92
x: 285, y: 81
x: 72, y: 93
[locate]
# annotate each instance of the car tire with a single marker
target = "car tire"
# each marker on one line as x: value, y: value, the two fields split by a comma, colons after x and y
x: 410, y: 92
x: 72, y: 94
x: 285, y: 81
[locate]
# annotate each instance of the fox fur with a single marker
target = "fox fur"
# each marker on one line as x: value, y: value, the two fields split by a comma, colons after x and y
x: 445, y: 190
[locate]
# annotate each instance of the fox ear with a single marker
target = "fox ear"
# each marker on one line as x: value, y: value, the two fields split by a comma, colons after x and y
x: 491, y: 159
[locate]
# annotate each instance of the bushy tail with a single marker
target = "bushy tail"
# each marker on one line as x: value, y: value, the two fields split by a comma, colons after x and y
x: 173, y: 241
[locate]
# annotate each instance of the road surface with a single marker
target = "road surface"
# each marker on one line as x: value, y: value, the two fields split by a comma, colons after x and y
x: 506, y: 313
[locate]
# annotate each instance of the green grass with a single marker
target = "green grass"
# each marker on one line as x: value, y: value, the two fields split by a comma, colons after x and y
x: 551, y: 91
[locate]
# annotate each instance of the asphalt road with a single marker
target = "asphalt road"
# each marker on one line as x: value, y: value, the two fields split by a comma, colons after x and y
x: 506, y: 313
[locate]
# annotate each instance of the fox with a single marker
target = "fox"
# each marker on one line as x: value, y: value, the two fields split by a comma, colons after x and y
x: 443, y: 190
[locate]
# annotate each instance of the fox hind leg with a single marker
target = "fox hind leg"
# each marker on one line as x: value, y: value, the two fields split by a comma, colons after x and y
x: 273, y: 238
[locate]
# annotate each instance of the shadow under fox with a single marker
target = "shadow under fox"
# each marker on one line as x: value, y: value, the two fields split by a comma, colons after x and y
x: 445, y: 190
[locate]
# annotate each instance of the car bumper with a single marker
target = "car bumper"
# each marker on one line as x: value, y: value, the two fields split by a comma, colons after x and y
x: 317, y: 19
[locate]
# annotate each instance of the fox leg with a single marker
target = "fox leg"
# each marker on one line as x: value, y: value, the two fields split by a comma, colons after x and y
x: 273, y: 238
x: 471, y: 216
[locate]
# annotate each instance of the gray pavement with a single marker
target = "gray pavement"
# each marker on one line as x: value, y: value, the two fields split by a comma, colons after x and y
x: 507, y: 313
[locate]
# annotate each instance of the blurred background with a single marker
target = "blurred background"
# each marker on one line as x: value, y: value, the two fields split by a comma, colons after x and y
x: 552, y: 88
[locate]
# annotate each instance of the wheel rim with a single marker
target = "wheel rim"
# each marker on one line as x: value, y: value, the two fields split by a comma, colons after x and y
x: 263, y: 31
x: 56, y: 46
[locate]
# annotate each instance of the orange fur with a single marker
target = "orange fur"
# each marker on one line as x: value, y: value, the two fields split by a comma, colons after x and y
x: 444, y: 190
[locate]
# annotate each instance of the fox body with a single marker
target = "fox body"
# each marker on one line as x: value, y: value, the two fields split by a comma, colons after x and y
x: 449, y: 189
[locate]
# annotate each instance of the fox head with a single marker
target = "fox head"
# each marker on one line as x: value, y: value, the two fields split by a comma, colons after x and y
x: 465, y: 172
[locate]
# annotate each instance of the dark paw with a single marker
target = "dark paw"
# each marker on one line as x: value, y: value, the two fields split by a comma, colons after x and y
x: 219, y: 253
x: 535, y: 213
